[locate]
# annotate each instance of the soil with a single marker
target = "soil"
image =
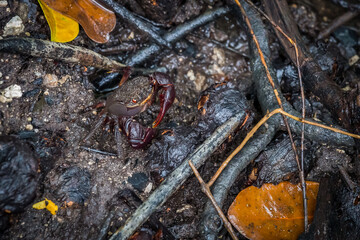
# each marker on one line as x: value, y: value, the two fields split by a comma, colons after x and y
x: 53, y: 115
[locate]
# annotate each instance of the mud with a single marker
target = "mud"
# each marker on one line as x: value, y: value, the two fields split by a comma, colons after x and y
x: 52, y: 115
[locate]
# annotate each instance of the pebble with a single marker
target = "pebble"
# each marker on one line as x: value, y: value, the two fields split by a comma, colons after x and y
x: 13, y: 91
x: 29, y: 127
x: 50, y: 80
x: 14, y: 27
x: 353, y: 59
x: 3, y: 3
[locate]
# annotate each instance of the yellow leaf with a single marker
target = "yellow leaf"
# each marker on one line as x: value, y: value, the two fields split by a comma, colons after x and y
x: 63, y: 29
x: 40, y: 205
x: 272, y: 212
x: 48, y: 204
x: 52, y: 207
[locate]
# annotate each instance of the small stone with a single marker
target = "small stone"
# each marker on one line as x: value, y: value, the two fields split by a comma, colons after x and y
x: 219, y: 56
x: 64, y: 79
x: 27, y: 34
x: 50, y: 80
x: 14, y: 27
x: 200, y: 82
x: 148, y: 188
x: 29, y: 127
x: 3, y: 3
x: 190, y: 74
x: 138, y: 181
x: 13, y: 91
x: 353, y: 59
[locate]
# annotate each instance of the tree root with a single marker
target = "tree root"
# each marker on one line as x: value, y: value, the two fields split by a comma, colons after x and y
x: 263, y: 137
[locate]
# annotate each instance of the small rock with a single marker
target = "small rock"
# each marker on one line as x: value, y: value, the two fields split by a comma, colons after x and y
x: 190, y: 74
x: 148, y: 188
x: 138, y: 181
x: 50, y: 80
x: 353, y: 59
x: 29, y: 127
x: 219, y: 56
x: 14, y: 27
x: 200, y: 82
x: 13, y: 91
x: 3, y: 3
x: 64, y: 79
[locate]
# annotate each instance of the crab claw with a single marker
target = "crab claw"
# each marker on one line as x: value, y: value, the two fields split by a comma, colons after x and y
x: 138, y: 136
x: 166, y: 94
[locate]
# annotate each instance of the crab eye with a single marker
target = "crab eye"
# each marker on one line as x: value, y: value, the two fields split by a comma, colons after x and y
x: 134, y: 100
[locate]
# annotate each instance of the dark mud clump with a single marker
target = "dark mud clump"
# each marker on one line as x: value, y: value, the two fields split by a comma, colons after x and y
x: 217, y: 104
x: 72, y: 184
x: 18, y: 174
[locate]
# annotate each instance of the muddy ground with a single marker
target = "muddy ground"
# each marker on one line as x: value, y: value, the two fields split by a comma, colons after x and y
x: 52, y: 115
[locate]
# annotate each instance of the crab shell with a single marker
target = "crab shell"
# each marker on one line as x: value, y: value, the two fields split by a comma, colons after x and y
x: 131, y: 98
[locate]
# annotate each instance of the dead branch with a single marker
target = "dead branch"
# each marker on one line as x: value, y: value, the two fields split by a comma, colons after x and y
x: 174, y: 181
x: 59, y: 51
x: 128, y: 16
x: 268, y: 102
x: 337, y: 22
x: 176, y: 34
x: 315, y: 80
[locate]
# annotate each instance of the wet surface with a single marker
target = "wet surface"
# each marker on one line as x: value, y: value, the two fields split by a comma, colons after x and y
x: 211, y: 72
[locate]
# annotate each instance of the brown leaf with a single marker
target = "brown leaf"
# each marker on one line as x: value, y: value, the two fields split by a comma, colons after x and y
x: 272, y: 212
x: 96, y: 20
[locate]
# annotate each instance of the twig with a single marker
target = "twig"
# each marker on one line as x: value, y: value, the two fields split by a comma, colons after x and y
x: 172, y: 36
x: 176, y: 34
x: 346, y: 177
x: 131, y: 18
x: 300, y: 165
x: 303, y: 112
x: 265, y: 134
x: 259, y: 124
x: 59, y: 51
x: 177, y: 177
x: 98, y: 151
x: 206, y: 189
x: 337, y: 22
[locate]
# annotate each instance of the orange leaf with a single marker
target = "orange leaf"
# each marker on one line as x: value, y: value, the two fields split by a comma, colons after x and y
x: 272, y: 212
x: 96, y: 20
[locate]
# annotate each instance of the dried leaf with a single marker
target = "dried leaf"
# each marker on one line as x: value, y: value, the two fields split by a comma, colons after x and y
x: 96, y: 20
x: 63, y: 29
x: 48, y: 204
x: 272, y: 212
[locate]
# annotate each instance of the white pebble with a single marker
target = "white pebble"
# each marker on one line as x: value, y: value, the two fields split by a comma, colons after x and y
x: 3, y: 3
x: 13, y: 91
x: 14, y: 27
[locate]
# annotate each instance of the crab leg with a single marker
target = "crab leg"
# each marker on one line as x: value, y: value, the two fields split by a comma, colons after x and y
x: 166, y: 94
x: 118, y: 138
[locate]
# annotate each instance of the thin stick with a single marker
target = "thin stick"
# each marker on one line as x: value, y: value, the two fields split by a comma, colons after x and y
x: 303, y: 113
x: 128, y: 16
x: 205, y: 188
x: 337, y: 22
x: 259, y: 124
x: 98, y: 151
x: 177, y: 177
